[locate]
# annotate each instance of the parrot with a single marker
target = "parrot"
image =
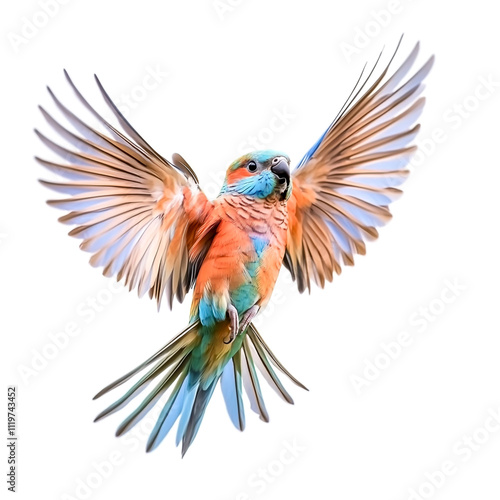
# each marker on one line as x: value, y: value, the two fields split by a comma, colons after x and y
x: 147, y: 221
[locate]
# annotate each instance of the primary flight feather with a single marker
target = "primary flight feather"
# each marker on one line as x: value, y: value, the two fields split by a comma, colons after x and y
x: 146, y: 221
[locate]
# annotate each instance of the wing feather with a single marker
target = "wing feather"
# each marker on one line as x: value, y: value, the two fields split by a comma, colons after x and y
x: 135, y: 211
x: 343, y: 186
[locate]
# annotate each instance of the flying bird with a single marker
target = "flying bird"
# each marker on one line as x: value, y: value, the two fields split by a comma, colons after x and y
x: 146, y: 221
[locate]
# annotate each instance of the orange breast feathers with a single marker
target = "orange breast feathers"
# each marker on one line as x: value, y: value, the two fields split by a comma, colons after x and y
x: 245, y: 254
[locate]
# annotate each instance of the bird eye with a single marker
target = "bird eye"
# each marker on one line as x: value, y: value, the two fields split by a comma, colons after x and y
x: 252, y: 166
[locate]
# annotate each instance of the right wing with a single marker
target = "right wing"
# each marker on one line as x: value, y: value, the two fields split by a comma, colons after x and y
x: 137, y: 213
x: 343, y: 186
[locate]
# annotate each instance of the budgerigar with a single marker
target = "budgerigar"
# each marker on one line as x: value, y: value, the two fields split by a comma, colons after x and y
x: 146, y: 221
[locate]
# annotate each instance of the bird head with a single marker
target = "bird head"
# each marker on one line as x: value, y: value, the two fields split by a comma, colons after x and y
x: 260, y: 174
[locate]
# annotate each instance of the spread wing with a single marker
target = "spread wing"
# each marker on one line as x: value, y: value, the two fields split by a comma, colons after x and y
x: 344, y: 184
x: 136, y: 212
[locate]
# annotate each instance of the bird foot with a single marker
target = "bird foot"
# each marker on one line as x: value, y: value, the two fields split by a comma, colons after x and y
x: 247, y: 317
x: 234, y: 324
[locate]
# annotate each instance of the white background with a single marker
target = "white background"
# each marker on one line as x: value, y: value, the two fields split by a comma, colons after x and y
x: 224, y: 75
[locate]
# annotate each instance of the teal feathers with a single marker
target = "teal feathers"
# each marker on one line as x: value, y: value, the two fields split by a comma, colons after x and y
x: 182, y: 364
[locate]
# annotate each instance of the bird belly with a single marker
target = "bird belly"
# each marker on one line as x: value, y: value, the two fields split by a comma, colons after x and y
x: 241, y: 268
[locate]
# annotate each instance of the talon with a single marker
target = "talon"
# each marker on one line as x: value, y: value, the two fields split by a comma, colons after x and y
x: 234, y: 324
x: 230, y: 338
x: 248, y: 317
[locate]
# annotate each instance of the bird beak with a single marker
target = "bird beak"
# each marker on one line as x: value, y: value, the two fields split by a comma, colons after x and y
x: 282, y: 172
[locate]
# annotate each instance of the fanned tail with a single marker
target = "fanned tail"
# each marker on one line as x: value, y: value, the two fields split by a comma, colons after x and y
x: 193, y: 367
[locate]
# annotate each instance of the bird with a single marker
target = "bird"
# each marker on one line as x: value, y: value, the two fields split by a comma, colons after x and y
x: 147, y: 222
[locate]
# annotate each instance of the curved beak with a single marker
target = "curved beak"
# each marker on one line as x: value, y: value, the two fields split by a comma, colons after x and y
x: 282, y: 172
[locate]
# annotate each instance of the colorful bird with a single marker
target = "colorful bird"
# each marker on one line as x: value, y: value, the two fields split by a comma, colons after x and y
x: 146, y: 221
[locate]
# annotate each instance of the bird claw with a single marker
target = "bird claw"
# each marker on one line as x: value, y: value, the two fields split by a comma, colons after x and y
x: 235, y: 326
x: 248, y: 317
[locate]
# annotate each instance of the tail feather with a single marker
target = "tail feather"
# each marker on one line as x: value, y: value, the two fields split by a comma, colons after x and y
x: 187, y: 409
x: 257, y: 339
x: 152, y: 398
x: 231, y: 385
x: 195, y: 383
x: 170, y: 349
x: 252, y: 386
x: 267, y: 371
x: 196, y: 415
x: 169, y: 414
x: 140, y: 385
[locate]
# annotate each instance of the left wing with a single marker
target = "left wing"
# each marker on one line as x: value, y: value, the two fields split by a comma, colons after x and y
x: 344, y: 184
x: 139, y: 214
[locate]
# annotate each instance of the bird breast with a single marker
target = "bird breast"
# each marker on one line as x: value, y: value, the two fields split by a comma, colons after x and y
x: 245, y: 257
